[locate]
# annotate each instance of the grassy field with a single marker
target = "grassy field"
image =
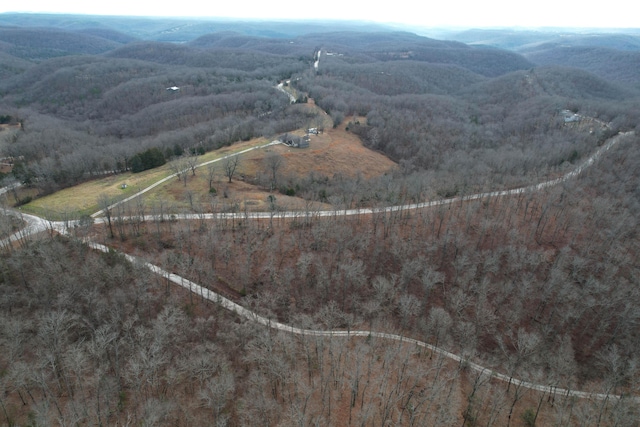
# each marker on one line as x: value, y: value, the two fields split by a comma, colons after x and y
x: 335, y: 151
x: 83, y: 199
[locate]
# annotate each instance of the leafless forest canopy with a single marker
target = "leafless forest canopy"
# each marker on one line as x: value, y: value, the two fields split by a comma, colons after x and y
x: 541, y: 286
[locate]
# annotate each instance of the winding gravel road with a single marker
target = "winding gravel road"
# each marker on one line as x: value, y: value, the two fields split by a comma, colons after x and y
x: 368, y: 211
x: 254, y: 317
x: 36, y: 224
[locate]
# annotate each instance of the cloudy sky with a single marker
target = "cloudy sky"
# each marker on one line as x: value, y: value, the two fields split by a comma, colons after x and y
x: 462, y: 13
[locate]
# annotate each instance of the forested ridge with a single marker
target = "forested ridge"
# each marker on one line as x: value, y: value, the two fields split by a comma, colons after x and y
x: 619, y: 66
x: 540, y: 285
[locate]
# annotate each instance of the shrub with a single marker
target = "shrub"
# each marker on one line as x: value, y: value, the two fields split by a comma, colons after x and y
x: 24, y: 201
x: 529, y: 417
x: 288, y: 191
x: 149, y: 159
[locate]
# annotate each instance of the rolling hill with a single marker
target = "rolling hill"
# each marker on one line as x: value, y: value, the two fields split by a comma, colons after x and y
x: 612, y: 64
x: 43, y: 43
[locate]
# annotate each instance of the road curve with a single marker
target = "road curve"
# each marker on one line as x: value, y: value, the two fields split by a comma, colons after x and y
x: 254, y: 317
x: 36, y: 224
x: 368, y: 211
x: 33, y: 225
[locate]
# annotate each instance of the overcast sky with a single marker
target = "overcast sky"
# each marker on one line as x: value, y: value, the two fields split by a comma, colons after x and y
x: 461, y: 13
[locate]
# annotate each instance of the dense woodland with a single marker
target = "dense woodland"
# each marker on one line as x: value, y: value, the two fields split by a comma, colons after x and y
x: 541, y: 286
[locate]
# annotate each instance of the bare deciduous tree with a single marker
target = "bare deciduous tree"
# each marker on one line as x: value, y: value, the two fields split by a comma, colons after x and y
x: 104, y: 203
x: 273, y: 162
x: 211, y: 174
x: 180, y: 167
x: 230, y: 165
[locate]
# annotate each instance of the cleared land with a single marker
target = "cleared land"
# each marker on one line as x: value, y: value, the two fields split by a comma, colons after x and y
x: 83, y: 199
x: 334, y: 152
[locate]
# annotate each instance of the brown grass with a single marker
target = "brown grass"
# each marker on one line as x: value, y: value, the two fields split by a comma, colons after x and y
x: 82, y: 199
x: 335, y: 151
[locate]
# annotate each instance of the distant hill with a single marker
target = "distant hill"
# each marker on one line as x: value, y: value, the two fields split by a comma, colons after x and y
x: 561, y: 82
x: 108, y: 34
x: 405, y: 77
x: 396, y: 46
x: 610, y: 64
x: 487, y: 62
x: 228, y: 39
x: 358, y: 47
x: 609, y: 55
x: 249, y: 60
x: 504, y: 39
x: 521, y: 40
x: 42, y: 43
x: 236, y: 40
x: 182, y: 29
x: 625, y: 42
x: 374, y: 41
